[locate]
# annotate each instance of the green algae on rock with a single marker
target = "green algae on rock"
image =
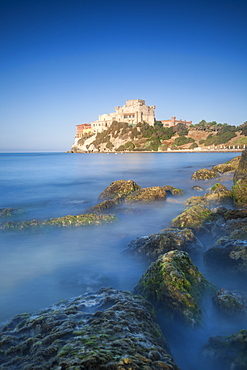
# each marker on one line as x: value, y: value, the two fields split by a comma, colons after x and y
x: 228, y: 352
x: 174, y: 284
x: 172, y: 190
x: 108, y: 329
x: 145, y: 195
x: 194, y: 218
x: 66, y: 221
x: 219, y: 194
x: 119, y: 188
x: 152, y: 246
x: 203, y: 174
x: 230, y: 302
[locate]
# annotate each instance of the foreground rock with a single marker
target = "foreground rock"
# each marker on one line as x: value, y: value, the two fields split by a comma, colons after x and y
x: 145, y: 195
x: 198, y: 218
x: 106, y: 330
x: 228, y: 254
x: 154, y: 245
x: 203, y: 174
x: 240, y: 182
x: 230, y: 302
x: 66, y: 221
x: 174, y: 284
x: 119, y: 188
x: 228, y: 353
x: 219, y: 194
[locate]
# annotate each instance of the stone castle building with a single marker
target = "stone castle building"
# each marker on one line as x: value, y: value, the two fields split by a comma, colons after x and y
x: 133, y: 112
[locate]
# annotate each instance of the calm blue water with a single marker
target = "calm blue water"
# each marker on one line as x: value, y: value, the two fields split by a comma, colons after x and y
x: 38, y: 268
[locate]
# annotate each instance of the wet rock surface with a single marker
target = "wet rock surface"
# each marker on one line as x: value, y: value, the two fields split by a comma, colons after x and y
x: 154, y: 245
x: 144, y: 195
x: 119, y: 188
x: 108, y: 329
x: 228, y: 254
x: 174, y: 191
x: 174, y: 285
x: 240, y: 182
x: 203, y: 174
x: 66, y: 221
x: 219, y: 194
x: 230, y: 302
x: 228, y: 352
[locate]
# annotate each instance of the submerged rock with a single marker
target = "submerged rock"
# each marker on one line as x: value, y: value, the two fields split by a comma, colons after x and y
x: 197, y: 188
x: 228, y: 253
x: 195, y: 201
x: 174, y: 284
x: 228, y: 352
x: 119, y: 188
x: 7, y: 212
x: 230, y: 302
x: 105, y: 205
x: 66, y: 221
x: 154, y: 245
x: 145, y: 195
x: 203, y: 174
x: 109, y: 329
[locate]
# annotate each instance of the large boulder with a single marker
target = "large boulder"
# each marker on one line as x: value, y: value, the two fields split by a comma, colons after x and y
x: 228, y: 254
x: 203, y: 174
x: 198, y: 218
x: 229, y: 302
x: 227, y: 352
x: 119, y: 188
x: 219, y: 194
x: 154, y: 245
x: 174, y: 284
x: 105, y: 205
x: 154, y: 193
x: 66, y: 221
x: 240, y: 182
x: 109, y: 329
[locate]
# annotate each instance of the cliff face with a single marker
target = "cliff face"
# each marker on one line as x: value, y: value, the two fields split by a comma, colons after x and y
x: 123, y: 138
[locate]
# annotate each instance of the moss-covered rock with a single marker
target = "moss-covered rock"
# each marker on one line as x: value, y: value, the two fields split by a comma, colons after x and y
x: 239, y: 189
x: 108, y: 329
x: 154, y: 245
x: 195, y: 218
x: 219, y: 194
x: 228, y: 352
x: 174, y: 284
x: 230, y: 302
x: 7, y: 212
x: 66, y: 221
x: 228, y: 254
x: 203, y: 174
x: 119, y: 188
x: 105, y: 205
x: 145, y: 195
x: 174, y: 191
x: 196, y: 200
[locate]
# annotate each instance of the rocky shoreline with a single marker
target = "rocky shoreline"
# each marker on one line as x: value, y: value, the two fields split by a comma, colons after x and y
x: 112, y: 329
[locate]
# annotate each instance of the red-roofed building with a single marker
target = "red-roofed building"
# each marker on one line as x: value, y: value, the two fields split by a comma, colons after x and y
x: 82, y: 129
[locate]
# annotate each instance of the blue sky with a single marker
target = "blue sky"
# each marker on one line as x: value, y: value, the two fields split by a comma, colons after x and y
x: 64, y: 62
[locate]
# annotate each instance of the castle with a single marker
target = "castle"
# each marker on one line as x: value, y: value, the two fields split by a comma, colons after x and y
x: 133, y: 112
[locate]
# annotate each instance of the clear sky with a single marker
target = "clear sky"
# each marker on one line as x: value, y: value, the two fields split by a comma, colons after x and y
x: 64, y: 62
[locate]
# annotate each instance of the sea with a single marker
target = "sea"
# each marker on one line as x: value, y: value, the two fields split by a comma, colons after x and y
x: 41, y: 267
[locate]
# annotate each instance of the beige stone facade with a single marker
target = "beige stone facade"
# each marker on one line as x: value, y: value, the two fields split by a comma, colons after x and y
x: 133, y: 112
x: 173, y: 122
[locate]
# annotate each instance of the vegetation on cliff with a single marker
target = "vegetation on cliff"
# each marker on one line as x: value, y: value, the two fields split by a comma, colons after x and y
x: 122, y: 137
